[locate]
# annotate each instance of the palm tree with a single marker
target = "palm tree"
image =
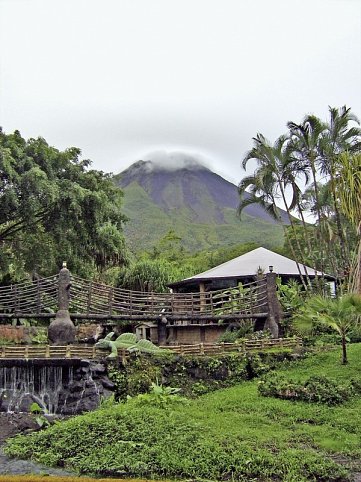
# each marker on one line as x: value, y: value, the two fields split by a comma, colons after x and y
x: 343, y: 315
x: 338, y: 137
x: 348, y: 191
x: 305, y: 139
x: 327, y: 210
x: 274, y: 175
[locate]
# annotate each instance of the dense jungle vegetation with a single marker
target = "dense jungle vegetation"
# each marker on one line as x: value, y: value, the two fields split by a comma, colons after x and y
x: 298, y: 422
x: 55, y: 208
x: 231, y: 434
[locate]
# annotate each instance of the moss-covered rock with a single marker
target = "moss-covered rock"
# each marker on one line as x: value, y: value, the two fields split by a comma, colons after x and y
x: 195, y: 375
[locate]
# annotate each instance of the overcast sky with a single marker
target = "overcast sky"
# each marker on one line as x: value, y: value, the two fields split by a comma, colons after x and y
x: 122, y: 78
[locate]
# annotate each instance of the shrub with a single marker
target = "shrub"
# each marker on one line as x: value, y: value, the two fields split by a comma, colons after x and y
x: 316, y: 389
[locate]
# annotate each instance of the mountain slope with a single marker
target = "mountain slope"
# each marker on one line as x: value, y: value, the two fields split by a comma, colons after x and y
x: 199, y: 205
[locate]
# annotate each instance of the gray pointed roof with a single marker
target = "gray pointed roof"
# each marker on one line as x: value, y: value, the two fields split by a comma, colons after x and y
x: 248, y: 264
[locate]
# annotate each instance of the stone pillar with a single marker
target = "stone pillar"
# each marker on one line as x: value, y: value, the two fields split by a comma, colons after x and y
x: 162, y: 330
x: 62, y: 330
x: 274, y: 307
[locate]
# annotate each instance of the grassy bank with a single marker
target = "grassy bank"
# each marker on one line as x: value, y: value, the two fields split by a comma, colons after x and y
x: 231, y: 434
x: 47, y: 478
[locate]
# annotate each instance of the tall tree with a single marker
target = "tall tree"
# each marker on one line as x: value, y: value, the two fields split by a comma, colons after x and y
x: 55, y: 207
x: 338, y: 137
x: 348, y: 191
x: 308, y: 160
x: 305, y: 139
x: 270, y: 182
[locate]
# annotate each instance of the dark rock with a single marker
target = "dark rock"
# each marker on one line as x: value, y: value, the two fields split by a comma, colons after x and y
x: 99, y: 368
x: 62, y: 330
x: 107, y: 384
x: 76, y: 386
x: 107, y: 393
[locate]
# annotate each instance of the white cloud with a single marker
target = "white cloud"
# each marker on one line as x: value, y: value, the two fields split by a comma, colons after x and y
x: 120, y: 78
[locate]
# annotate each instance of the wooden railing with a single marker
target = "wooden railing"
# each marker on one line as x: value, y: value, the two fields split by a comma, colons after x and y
x: 105, y: 301
x: 36, y: 297
x: 91, y: 352
x: 243, y: 346
x: 50, y: 351
x: 97, y: 301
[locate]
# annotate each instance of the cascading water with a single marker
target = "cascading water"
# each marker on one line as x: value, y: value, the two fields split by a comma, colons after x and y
x: 21, y: 385
x: 70, y: 387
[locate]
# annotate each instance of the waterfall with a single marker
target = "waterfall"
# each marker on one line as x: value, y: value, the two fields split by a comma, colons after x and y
x: 20, y: 386
x: 57, y: 388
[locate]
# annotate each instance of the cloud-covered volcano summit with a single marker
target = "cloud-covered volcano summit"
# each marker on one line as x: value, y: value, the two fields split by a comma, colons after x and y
x: 178, y: 192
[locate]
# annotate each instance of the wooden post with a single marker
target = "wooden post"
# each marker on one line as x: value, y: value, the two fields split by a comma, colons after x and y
x: 38, y: 299
x: 89, y: 301
x: 47, y: 351
x: 274, y: 307
x: 130, y: 303
x: 171, y: 304
x: 16, y: 299
x: 110, y: 301
x: 68, y: 352
x: 202, y: 300
x: 201, y: 348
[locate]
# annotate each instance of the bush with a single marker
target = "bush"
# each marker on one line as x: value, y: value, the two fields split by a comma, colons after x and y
x: 195, y: 375
x: 316, y: 389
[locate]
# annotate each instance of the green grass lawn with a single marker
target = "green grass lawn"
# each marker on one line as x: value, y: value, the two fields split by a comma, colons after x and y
x: 231, y: 434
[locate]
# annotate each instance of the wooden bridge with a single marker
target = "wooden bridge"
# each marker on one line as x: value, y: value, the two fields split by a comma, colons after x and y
x: 89, y: 300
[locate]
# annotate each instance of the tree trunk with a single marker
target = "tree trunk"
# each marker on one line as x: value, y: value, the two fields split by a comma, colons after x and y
x: 296, y: 239
x: 344, y: 351
x: 345, y: 263
x: 319, y: 230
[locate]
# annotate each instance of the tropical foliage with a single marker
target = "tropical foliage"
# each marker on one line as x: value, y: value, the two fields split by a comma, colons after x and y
x: 305, y: 173
x: 55, y: 208
x: 342, y: 315
x: 231, y: 434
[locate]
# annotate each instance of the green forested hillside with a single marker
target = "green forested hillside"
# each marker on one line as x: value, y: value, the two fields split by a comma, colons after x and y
x: 198, y: 205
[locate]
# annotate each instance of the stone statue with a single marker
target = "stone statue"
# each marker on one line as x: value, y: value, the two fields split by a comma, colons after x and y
x: 62, y: 330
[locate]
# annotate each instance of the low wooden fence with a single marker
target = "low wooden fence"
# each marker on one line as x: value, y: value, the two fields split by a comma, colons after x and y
x: 91, y: 352
x: 244, y: 346
x: 50, y: 351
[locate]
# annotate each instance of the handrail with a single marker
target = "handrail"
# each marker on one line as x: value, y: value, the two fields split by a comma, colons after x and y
x: 78, y: 351
x: 94, y: 298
